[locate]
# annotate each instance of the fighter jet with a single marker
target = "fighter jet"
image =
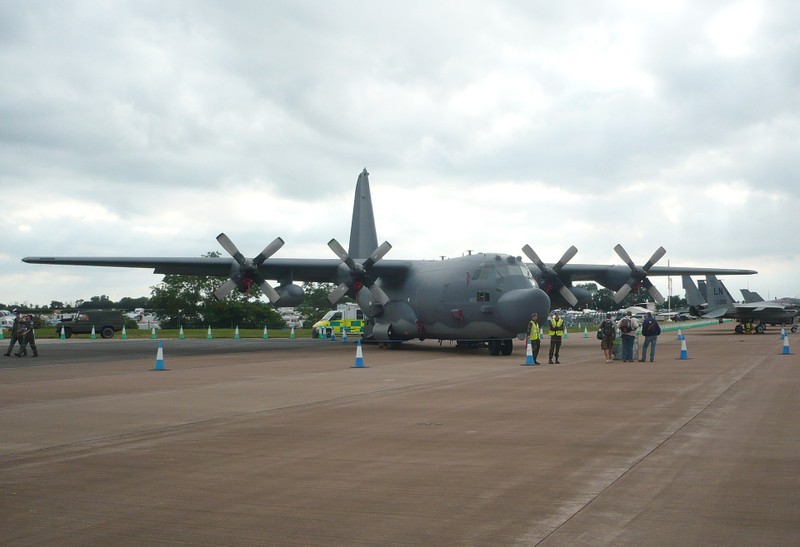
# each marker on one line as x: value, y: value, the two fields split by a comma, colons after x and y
x: 719, y: 304
x: 484, y: 297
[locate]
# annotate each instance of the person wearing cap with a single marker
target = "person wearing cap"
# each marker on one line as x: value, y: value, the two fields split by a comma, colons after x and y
x: 608, y: 331
x: 627, y: 327
x: 16, y: 334
x: 535, y: 337
x: 556, y: 332
x: 650, y: 329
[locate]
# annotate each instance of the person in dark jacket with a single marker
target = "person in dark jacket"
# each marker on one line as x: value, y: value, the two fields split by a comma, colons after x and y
x: 650, y: 330
x: 28, y: 337
x: 15, y: 334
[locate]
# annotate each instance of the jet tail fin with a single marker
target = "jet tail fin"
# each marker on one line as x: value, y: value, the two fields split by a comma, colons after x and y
x: 751, y: 296
x: 693, y: 296
x: 718, y: 295
x: 363, y: 237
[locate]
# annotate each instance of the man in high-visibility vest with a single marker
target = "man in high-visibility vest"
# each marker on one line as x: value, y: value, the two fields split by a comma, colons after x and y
x: 534, y: 337
x: 556, y: 332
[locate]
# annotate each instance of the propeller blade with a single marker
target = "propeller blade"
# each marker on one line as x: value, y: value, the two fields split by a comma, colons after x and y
x: 624, y: 256
x: 268, y: 251
x: 624, y: 291
x: 337, y: 293
x: 384, y: 248
x: 341, y: 253
x: 572, y: 251
x: 232, y: 250
x: 653, y: 291
x: 567, y: 295
x: 378, y: 295
x: 267, y: 289
x: 225, y: 289
x: 534, y: 257
x: 655, y: 258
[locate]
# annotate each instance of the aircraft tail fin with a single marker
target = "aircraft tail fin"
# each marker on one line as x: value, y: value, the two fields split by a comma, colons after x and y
x: 718, y: 295
x: 693, y: 296
x: 751, y: 296
x: 363, y: 237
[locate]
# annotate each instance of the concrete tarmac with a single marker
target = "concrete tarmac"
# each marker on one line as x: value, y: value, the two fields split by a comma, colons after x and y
x: 282, y: 442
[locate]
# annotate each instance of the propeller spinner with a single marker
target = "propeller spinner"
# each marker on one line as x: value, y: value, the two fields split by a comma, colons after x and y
x: 359, y: 273
x: 638, y: 275
x: 247, y: 272
x: 551, y: 279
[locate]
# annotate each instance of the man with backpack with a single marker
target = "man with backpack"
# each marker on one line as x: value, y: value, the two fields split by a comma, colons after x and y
x: 650, y: 329
x: 608, y: 331
x: 627, y: 327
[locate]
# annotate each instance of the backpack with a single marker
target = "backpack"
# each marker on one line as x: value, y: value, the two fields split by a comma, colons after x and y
x: 625, y: 326
x: 607, y: 327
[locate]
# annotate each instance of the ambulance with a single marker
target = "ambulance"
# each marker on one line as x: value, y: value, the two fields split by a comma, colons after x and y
x: 346, y: 316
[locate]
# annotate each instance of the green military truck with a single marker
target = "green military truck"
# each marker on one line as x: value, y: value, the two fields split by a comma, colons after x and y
x: 105, y: 323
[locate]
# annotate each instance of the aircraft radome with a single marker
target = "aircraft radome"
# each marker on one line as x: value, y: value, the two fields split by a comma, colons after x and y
x: 483, y: 297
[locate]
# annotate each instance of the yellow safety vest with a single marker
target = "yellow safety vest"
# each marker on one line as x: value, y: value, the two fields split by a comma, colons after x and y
x: 557, y: 326
x: 534, y: 330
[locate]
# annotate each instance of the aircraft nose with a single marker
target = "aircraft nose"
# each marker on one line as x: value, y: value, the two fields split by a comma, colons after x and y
x: 515, y: 307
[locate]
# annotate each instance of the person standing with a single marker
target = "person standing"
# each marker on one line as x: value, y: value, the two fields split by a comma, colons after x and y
x: 28, y: 337
x: 627, y: 327
x: 15, y: 334
x: 650, y: 329
x: 556, y: 332
x: 535, y: 337
x: 608, y: 331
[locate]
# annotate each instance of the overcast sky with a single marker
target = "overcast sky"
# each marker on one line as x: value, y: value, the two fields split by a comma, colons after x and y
x: 146, y: 128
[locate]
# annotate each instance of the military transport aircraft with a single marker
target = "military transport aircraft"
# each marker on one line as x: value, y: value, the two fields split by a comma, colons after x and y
x: 719, y: 304
x: 474, y: 299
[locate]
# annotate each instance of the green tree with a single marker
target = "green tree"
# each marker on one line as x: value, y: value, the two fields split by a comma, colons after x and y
x: 101, y: 302
x: 128, y: 303
x: 315, y: 304
x: 602, y: 298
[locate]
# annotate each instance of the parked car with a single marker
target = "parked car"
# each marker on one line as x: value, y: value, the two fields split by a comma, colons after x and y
x: 104, y: 322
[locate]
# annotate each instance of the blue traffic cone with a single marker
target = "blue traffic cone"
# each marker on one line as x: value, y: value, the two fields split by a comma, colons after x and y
x: 344, y: 335
x: 684, y: 353
x: 528, y: 354
x: 786, y: 347
x: 680, y: 335
x: 783, y: 333
x: 160, y: 357
x: 359, y: 357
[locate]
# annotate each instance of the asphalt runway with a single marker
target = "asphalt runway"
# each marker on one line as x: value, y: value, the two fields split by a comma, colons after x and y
x: 282, y: 442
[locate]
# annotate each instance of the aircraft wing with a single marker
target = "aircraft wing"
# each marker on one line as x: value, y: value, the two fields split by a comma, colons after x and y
x: 614, y: 276
x: 292, y: 269
x: 759, y: 306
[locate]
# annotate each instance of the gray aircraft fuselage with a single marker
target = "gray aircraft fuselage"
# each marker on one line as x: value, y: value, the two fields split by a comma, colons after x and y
x: 475, y: 297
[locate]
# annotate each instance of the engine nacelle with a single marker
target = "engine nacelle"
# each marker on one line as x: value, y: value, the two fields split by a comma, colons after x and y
x: 399, y: 322
x: 291, y: 295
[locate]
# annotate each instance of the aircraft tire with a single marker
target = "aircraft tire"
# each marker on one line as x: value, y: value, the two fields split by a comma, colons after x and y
x: 794, y: 329
x: 507, y: 347
x: 494, y: 347
x: 760, y: 329
x: 739, y: 329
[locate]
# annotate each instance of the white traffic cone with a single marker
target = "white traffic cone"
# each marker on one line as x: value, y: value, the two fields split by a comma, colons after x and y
x: 684, y: 353
x: 359, y: 357
x: 528, y: 354
x: 786, y: 347
x: 160, y: 357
